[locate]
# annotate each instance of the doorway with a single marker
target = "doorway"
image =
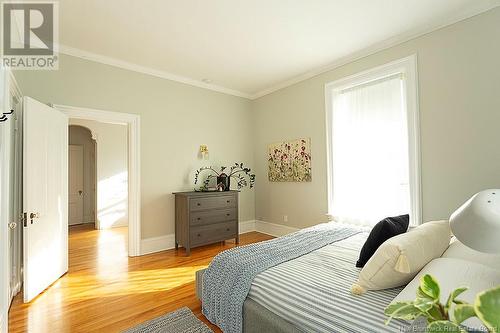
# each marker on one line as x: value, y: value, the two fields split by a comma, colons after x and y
x: 131, y: 122
x: 81, y: 176
x: 110, y: 173
x: 98, y: 175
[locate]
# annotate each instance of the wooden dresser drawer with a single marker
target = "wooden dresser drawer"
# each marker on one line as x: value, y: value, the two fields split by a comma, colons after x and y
x: 218, y: 202
x: 213, y: 232
x: 213, y: 216
x: 203, y: 218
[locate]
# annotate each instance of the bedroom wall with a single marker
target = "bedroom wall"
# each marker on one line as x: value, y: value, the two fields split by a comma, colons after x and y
x: 459, y: 110
x: 459, y: 98
x: 175, y: 119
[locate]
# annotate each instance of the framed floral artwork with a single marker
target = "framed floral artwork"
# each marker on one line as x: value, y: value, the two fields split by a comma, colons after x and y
x: 290, y: 161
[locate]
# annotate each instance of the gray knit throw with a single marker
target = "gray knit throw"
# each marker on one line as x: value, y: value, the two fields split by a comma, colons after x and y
x: 228, y: 279
x: 179, y: 321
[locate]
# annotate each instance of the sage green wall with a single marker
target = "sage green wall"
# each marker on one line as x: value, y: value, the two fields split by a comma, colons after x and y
x: 459, y: 85
x: 459, y: 95
x: 175, y: 119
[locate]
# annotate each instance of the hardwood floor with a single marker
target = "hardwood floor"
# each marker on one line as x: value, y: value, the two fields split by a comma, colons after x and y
x: 106, y: 291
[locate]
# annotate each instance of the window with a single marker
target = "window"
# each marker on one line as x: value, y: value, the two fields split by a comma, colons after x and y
x: 373, y: 145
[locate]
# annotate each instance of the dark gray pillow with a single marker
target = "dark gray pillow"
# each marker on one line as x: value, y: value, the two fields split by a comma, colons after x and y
x: 382, y: 231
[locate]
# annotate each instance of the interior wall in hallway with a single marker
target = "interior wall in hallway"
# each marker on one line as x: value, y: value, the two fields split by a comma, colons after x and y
x: 112, y: 172
x: 82, y: 136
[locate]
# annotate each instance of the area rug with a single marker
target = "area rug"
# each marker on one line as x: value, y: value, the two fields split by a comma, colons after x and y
x: 179, y: 321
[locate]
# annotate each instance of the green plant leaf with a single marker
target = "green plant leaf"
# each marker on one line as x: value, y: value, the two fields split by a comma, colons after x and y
x: 423, y: 301
x: 463, y: 312
x: 430, y: 286
x: 424, y: 304
x: 454, y: 294
x: 435, y: 313
x: 402, y: 310
x: 487, y: 307
x: 444, y: 326
x: 459, y: 301
x: 421, y: 294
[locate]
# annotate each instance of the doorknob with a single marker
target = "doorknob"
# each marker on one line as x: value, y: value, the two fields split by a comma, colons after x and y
x: 12, y: 225
x: 34, y: 216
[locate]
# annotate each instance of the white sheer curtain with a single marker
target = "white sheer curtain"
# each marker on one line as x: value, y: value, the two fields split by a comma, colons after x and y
x: 370, y: 152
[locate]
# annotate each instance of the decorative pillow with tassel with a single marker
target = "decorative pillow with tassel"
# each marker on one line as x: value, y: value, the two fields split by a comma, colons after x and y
x: 400, y: 258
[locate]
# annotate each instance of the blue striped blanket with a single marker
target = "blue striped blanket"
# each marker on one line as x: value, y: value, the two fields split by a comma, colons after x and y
x: 313, y: 292
x: 228, y: 279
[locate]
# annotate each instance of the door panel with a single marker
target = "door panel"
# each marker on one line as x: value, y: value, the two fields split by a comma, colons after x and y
x: 45, y: 182
x: 15, y: 242
x: 75, y: 184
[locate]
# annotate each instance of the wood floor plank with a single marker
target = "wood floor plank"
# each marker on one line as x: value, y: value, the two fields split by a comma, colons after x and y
x: 107, y: 291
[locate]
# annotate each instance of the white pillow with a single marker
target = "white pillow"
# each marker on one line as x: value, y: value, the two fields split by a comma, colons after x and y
x: 451, y: 274
x: 401, y: 257
x: 460, y: 251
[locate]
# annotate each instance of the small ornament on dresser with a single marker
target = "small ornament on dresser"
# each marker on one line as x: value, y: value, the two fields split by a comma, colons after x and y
x: 223, y: 182
x: 238, y: 172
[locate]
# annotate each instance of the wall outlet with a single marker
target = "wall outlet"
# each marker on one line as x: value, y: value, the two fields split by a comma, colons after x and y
x: 285, y: 218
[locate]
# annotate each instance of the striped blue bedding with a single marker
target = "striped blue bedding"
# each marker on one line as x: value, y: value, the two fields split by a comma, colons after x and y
x: 229, y: 276
x: 313, y: 292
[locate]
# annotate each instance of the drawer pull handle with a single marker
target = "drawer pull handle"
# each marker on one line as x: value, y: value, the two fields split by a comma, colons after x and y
x: 228, y: 214
x: 199, y: 235
x: 199, y: 218
x: 228, y: 201
x: 198, y: 204
x: 227, y: 229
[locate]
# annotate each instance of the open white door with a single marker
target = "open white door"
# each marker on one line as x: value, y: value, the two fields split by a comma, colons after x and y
x: 45, y: 182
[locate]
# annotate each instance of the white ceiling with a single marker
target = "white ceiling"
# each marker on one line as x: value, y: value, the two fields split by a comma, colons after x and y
x: 246, y: 47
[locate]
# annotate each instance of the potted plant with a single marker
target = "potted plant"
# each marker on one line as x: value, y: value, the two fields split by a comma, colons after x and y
x: 448, y: 317
x: 238, y: 172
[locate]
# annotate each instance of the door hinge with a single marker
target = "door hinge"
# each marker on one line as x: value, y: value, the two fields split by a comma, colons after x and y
x: 24, y: 219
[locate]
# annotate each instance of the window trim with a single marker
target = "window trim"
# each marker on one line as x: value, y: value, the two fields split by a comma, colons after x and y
x: 408, y: 68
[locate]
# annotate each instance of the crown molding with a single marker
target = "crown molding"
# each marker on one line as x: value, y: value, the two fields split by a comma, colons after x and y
x: 383, y: 45
x: 480, y: 8
x: 71, y: 51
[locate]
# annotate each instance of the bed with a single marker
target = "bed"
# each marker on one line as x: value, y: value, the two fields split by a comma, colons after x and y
x: 311, y: 293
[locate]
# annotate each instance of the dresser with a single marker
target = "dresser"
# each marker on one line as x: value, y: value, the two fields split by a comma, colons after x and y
x: 203, y: 218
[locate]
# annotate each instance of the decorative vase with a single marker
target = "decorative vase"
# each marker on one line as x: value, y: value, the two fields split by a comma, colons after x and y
x: 223, y: 181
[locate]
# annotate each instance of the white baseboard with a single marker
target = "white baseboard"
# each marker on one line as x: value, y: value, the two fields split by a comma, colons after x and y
x: 247, y: 226
x: 15, y: 291
x: 88, y: 219
x: 157, y: 244
x: 167, y: 242
x: 120, y: 224
x: 3, y: 324
x: 114, y: 225
x: 273, y: 229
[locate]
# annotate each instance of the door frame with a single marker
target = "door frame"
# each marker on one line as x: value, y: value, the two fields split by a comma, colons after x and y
x: 10, y: 88
x: 17, y: 201
x: 4, y: 204
x: 133, y: 123
x: 4, y: 230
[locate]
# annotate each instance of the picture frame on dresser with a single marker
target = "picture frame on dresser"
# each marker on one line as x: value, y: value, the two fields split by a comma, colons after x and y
x: 203, y: 218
